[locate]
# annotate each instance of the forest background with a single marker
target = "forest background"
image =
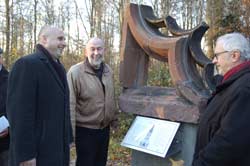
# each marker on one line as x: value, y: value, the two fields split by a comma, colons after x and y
x: 21, y: 21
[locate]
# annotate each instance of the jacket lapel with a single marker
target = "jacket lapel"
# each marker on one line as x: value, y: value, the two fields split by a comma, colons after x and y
x: 45, y: 60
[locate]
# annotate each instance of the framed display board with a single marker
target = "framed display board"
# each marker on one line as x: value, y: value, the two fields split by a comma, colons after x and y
x: 153, y: 136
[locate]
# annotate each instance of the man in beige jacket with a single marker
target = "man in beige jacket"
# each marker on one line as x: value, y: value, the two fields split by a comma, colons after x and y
x: 92, y: 105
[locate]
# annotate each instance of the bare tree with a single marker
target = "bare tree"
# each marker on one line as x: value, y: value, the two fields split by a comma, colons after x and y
x: 246, y: 16
x: 35, y: 20
x: 7, y: 31
x: 213, y: 14
x: 49, y: 11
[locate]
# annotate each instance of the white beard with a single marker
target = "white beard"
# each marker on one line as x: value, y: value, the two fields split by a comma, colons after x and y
x: 96, y: 62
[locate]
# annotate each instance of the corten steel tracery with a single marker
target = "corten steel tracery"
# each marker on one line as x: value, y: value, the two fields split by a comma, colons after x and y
x: 191, y: 71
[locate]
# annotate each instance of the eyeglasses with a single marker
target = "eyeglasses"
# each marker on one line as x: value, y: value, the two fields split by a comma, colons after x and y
x: 218, y: 54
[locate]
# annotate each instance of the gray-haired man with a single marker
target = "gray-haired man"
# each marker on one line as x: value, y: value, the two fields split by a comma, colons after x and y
x: 223, y: 139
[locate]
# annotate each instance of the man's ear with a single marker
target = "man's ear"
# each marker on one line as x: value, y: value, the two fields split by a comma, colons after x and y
x: 43, y: 39
x: 236, y: 56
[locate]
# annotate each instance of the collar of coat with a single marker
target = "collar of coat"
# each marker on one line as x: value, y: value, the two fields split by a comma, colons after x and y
x: 89, y: 70
x: 235, y: 70
x: 44, y: 51
x: 233, y: 75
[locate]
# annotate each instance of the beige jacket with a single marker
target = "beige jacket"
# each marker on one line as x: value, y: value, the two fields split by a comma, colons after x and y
x: 89, y: 106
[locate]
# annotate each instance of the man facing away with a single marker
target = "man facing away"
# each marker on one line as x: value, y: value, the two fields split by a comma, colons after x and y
x: 92, y: 105
x: 223, y: 136
x: 38, y: 105
x: 4, y: 135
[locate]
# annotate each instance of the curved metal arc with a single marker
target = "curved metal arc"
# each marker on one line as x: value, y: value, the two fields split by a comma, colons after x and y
x: 208, y: 76
x: 175, y: 29
x: 185, y: 74
x: 161, y: 47
x: 195, y: 45
x: 171, y: 24
x: 146, y: 37
x: 158, y: 22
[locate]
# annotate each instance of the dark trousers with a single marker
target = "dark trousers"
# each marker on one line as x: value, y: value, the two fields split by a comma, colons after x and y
x: 91, y: 146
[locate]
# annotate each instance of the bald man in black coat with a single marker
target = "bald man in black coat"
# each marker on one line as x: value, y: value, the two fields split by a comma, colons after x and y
x: 38, y: 105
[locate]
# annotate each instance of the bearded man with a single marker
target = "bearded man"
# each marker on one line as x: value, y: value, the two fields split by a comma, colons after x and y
x: 92, y: 105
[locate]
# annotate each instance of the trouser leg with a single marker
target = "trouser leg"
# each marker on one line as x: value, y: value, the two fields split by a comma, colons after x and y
x: 92, y: 146
x: 103, y: 141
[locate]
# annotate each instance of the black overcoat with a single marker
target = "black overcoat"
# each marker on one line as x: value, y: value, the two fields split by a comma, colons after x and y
x: 223, y: 137
x: 38, y: 111
x: 4, y: 142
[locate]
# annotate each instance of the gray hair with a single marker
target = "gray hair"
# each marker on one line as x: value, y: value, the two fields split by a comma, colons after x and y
x: 235, y: 41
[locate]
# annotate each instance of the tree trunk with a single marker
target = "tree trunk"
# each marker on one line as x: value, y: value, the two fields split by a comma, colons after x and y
x: 35, y: 20
x: 7, y: 30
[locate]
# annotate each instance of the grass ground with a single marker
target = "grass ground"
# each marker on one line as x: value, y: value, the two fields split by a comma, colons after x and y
x: 119, y: 155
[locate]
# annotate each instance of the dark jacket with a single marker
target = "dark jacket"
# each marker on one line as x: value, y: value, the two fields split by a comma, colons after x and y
x: 223, y: 138
x: 38, y: 112
x: 4, y: 142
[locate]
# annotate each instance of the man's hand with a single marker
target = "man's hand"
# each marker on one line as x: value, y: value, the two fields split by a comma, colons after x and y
x: 4, y: 133
x: 176, y: 162
x: 72, y: 153
x: 72, y: 145
x: 31, y: 162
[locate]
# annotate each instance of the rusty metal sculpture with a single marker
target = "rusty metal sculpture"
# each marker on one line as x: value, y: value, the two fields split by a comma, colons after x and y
x: 191, y: 71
